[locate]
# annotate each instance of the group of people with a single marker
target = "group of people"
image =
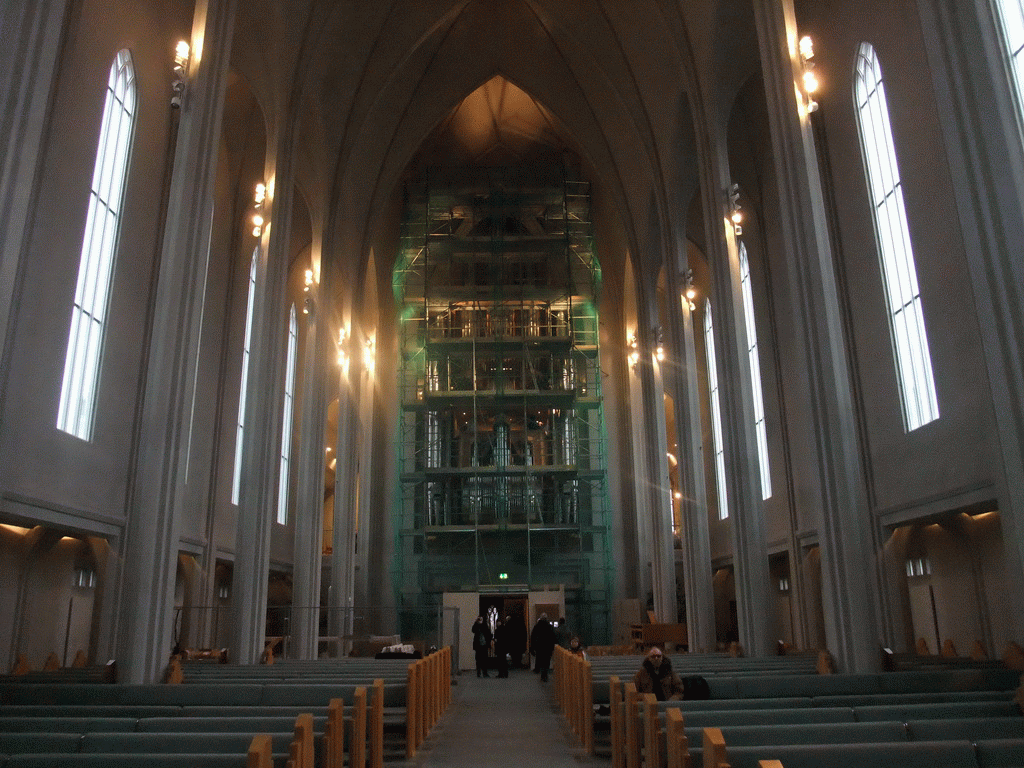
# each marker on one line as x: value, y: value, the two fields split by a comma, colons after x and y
x: 509, y: 643
x: 654, y: 676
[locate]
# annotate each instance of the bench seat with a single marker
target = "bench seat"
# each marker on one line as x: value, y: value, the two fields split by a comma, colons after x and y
x: 970, y: 728
x: 123, y: 760
x: 1000, y: 753
x: 783, y: 716
x: 45, y: 724
x: 908, y: 754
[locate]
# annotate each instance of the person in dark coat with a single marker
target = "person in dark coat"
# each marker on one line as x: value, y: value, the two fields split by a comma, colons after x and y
x: 542, y: 645
x: 657, y: 676
x: 481, y: 645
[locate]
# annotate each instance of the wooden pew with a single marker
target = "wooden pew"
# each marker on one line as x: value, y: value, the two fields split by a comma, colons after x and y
x: 651, y: 731
x: 677, y: 746
x: 714, y: 749
x: 334, y: 735
x: 261, y: 753
x: 631, y: 718
x: 300, y: 751
x: 618, y: 722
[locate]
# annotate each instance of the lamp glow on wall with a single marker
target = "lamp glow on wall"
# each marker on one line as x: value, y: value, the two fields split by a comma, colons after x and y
x: 689, y: 291
x: 735, y: 209
x: 634, y: 350
x: 259, y: 196
x: 809, y: 81
x: 369, y: 354
x: 181, y: 62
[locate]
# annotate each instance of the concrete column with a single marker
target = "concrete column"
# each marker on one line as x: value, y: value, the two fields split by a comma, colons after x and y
x: 343, y: 557
x: 32, y: 31
x: 653, y: 484
x: 261, y: 441
x: 744, y: 504
x: 697, y: 584
x: 157, y: 492
x: 309, y: 497
x: 849, y: 568
x: 978, y: 112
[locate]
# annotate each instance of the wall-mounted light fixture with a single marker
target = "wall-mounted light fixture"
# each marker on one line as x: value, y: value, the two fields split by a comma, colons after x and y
x: 659, y: 344
x: 634, y: 350
x: 735, y: 209
x: 259, y: 196
x: 689, y: 291
x: 809, y: 81
x: 181, y: 61
x: 307, y: 302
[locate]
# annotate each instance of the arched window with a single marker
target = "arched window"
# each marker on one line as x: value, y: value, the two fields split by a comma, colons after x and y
x: 755, y: 374
x: 77, y: 409
x: 286, y: 421
x: 716, y: 413
x: 906, y: 318
x: 236, y: 484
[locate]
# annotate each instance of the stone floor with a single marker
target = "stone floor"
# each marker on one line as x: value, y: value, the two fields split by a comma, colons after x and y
x: 497, y: 722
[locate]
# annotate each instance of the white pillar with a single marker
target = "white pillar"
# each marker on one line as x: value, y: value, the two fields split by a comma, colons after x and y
x: 849, y: 569
x: 157, y: 494
x: 978, y: 112
x: 309, y: 497
x: 261, y: 440
x: 697, y: 583
x: 29, y: 60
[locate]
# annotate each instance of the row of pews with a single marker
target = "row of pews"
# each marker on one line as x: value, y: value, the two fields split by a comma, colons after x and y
x: 762, y: 713
x: 361, y: 713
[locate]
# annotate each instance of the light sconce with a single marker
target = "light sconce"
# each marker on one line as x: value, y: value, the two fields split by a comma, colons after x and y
x: 634, y: 347
x: 809, y: 79
x: 689, y: 292
x: 659, y: 345
x: 257, y: 203
x: 181, y: 61
x: 735, y: 209
x: 307, y: 303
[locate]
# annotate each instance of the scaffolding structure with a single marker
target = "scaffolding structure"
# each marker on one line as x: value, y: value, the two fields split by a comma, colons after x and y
x: 501, y: 446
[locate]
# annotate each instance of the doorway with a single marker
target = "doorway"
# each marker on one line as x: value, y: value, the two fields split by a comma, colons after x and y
x: 514, y: 609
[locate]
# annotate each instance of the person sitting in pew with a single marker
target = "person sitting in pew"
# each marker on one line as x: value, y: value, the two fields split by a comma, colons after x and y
x: 657, y: 676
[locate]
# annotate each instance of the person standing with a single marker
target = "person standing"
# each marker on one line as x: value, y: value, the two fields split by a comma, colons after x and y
x: 542, y: 645
x: 481, y: 645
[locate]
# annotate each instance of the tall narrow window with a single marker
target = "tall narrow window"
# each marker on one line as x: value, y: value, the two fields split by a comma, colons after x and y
x: 716, y: 413
x: 236, y: 483
x: 286, y: 421
x: 906, y: 318
x: 77, y: 409
x: 1011, y: 16
x: 755, y: 374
